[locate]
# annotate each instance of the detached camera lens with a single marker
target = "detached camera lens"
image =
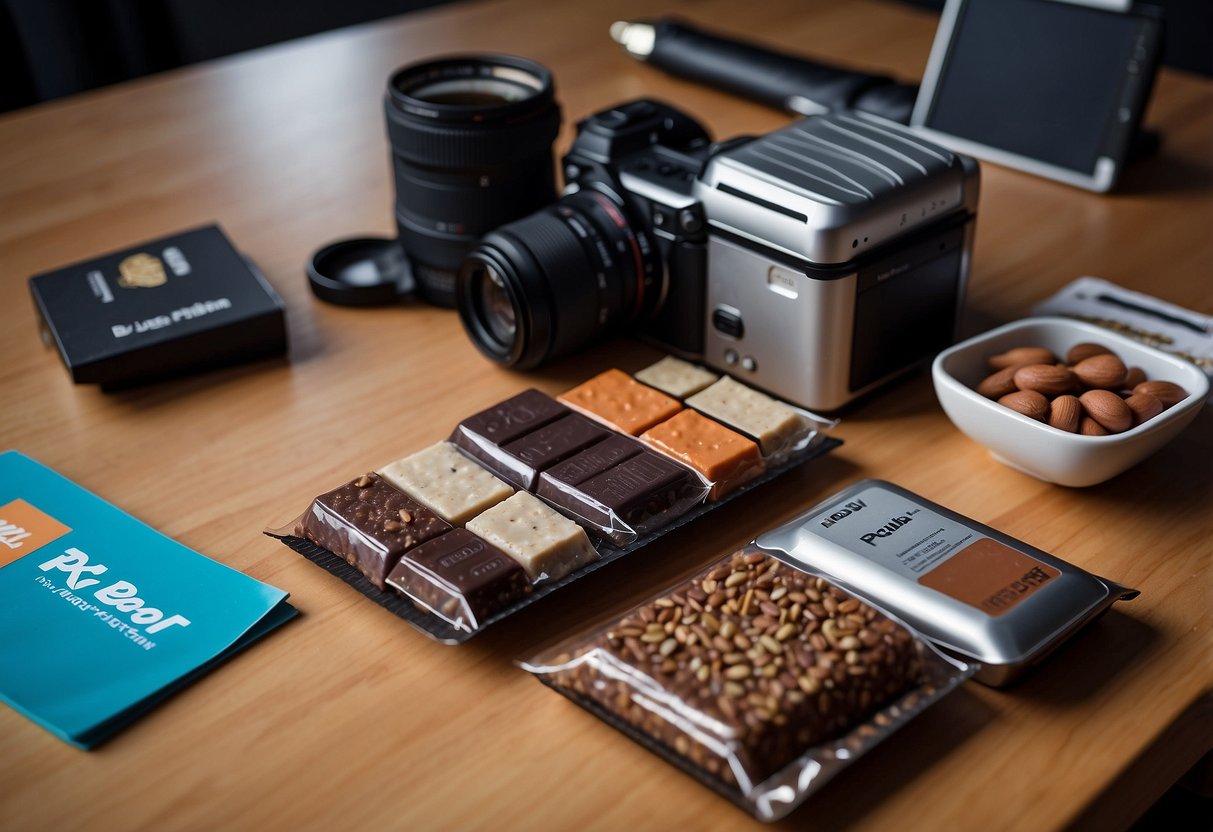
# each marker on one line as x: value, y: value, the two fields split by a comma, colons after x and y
x: 471, y: 150
x: 549, y: 284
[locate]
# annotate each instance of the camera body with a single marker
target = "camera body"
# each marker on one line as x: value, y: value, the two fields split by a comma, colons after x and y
x: 815, y: 262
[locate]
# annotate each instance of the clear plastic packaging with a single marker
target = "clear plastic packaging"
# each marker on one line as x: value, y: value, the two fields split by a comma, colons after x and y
x: 454, y: 556
x: 760, y: 679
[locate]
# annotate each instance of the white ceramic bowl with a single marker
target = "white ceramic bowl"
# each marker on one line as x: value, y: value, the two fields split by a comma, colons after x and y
x: 1035, y: 448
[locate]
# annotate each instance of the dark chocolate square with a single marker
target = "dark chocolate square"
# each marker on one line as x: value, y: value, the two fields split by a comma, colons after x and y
x: 591, y: 462
x: 632, y: 491
x: 370, y: 524
x: 514, y: 417
x: 459, y: 575
x: 643, y: 486
x: 520, y: 461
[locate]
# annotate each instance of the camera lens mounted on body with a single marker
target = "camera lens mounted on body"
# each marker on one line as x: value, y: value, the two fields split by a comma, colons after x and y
x: 551, y: 283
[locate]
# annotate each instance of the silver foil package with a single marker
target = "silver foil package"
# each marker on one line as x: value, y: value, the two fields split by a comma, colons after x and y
x: 974, y: 591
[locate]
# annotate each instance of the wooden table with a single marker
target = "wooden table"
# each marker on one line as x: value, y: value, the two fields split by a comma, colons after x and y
x: 348, y: 718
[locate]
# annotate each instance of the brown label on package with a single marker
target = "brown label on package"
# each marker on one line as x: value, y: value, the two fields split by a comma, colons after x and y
x: 24, y: 528
x: 989, y: 576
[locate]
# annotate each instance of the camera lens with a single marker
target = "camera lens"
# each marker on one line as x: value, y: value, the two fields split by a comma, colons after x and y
x: 546, y: 285
x: 495, y: 306
x: 471, y: 150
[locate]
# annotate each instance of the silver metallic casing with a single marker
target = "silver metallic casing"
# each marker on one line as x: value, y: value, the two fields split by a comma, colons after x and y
x: 830, y: 188
x: 794, y: 216
x: 829, y: 539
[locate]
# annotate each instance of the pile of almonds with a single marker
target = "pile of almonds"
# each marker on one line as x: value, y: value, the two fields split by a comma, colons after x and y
x: 1091, y: 392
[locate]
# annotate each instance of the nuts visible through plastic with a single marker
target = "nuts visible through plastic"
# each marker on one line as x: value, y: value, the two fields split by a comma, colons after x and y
x: 774, y: 687
x: 1092, y: 393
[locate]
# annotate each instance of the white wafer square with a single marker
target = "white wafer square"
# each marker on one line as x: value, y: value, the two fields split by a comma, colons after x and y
x: 742, y: 408
x: 546, y: 544
x: 676, y: 377
x: 446, y: 482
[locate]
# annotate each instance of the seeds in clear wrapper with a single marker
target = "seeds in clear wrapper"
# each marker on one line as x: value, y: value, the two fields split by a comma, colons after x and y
x: 763, y: 671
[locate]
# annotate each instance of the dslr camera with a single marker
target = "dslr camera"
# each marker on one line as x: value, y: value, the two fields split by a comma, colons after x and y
x: 815, y: 262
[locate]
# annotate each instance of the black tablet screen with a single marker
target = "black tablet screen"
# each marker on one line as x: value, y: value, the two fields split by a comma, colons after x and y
x: 1035, y: 77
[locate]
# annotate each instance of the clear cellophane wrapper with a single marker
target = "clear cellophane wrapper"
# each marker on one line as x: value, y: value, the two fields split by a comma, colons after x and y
x: 756, y: 677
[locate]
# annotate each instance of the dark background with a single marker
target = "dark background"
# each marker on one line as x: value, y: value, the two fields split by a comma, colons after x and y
x: 54, y: 48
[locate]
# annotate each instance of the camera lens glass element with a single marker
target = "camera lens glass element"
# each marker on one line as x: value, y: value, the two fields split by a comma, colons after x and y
x: 471, y: 145
x: 495, y: 306
x: 550, y: 283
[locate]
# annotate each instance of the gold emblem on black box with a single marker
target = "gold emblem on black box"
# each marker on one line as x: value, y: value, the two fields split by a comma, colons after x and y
x: 141, y: 271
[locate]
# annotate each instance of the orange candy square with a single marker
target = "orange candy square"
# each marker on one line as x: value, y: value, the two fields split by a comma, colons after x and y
x: 724, y: 457
x: 619, y: 400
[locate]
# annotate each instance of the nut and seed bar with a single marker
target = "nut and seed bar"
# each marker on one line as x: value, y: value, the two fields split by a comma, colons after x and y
x: 743, y: 668
x: 370, y: 524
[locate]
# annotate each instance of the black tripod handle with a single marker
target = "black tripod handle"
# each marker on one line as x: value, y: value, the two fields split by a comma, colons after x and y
x: 777, y: 79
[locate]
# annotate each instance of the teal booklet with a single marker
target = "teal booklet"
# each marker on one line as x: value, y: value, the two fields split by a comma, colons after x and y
x: 103, y: 617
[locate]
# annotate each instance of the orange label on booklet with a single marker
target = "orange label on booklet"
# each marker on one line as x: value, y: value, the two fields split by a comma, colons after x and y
x: 989, y: 576
x: 24, y: 528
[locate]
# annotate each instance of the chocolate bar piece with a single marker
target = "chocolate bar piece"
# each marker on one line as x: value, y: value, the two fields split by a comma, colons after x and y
x: 676, y: 377
x: 513, y: 418
x: 519, y: 462
x: 627, y: 496
x: 447, y: 482
x: 772, y: 423
x: 772, y: 662
x: 461, y: 577
x: 724, y: 457
x: 591, y: 462
x: 370, y: 524
x: 547, y: 544
x: 619, y: 400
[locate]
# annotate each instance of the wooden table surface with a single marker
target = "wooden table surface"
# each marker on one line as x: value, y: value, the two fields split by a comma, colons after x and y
x: 348, y: 718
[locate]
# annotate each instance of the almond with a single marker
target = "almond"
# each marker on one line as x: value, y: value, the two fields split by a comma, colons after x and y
x: 1167, y: 392
x: 1145, y: 406
x: 997, y: 385
x: 1020, y: 356
x: 1065, y: 413
x: 1078, y: 352
x: 1028, y: 402
x: 1134, y: 377
x: 1103, y: 372
x: 1048, y: 379
x: 1089, y: 427
x: 1108, y: 409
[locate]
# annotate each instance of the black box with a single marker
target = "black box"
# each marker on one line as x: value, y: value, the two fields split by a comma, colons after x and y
x: 167, y: 307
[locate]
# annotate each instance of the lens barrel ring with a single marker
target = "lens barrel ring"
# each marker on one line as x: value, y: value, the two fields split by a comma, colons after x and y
x: 434, y: 143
